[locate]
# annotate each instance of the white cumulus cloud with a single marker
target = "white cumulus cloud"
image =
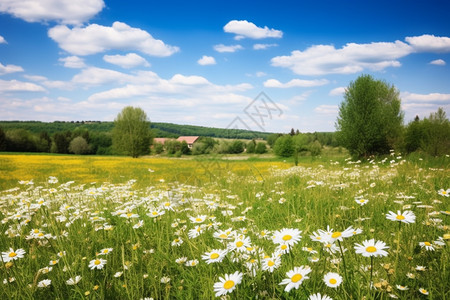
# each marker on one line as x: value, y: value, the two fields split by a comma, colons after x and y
x: 438, y: 62
x: 429, y: 43
x: 352, y: 58
x: 273, y: 83
x: 426, y: 98
x: 263, y: 46
x: 62, y: 11
x: 245, y: 29
x: 2, y: 40
x: 224, y: 48
x: 128, y: 61
x: 327, y: 109
x: 206, y: 60
x: 9, y: 69
x: 97, y: 38
x: 337, y: 91
x: 73, y: 62
x: 19, y: 86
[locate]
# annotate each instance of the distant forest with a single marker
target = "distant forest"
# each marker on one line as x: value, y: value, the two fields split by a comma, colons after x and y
x: 159, y: 129
x: 94, y: 137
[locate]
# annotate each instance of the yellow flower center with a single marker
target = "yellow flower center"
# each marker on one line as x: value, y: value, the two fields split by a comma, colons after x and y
x: 362, y: 200
x: 424, y: 291
x: 36, y: 231
x: 223, y: 236
x: 12, y: 254
x: 283, y: 247
x: 105, y: 251
x: 400, y: 217
x: 296, y: 278
x: 371, y: 249
x: 198, y: 220
x: 287, y: 237
x: 155, y: 213
x: 129, y: 214
x: 228, y: 284
x: 427, y: 244
x: 40, y: 234
x: 336, y: 234
x: 270, y: 263
x: 333, y: 281
x: 214, y: 256
x: 239, y: 244
x: 167, y: 204
x: 97, y: 262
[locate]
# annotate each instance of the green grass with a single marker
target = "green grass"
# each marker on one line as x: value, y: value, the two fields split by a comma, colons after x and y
x: 249, y: 197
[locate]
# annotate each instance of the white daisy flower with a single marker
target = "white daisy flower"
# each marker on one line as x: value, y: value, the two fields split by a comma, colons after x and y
x: 12, y: 255
x: 287, y: 236
x: 97, y: 264
x: 332, y: 280
x: 227, y: 284
x: 295, y: 277
x: 371, y: 248
x: 215, y: 255
x: 74, y: 280
x: 405, y: 217
x: 44, y: 283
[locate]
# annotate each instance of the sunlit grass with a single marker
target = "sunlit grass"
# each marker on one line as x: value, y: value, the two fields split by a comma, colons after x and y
x: 152, y: 212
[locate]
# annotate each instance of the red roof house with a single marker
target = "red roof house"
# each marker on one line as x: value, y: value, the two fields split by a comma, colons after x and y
x: 190, y: 140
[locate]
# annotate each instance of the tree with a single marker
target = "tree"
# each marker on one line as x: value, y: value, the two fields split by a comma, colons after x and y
x: 236, y: 146
x: 370, y: 119
x: 79, y: 146
x: 413, y: 135
x: 260, y: 148
x: 2, y: 140
x: 131, y: 132
x: 436, y: 133
x: 284, y: 146
x: 250, y: 148
x: 61, y: 142
x: 158, y: 148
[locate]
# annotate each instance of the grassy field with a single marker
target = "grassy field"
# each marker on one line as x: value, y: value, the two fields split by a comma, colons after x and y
x: 80, y: 227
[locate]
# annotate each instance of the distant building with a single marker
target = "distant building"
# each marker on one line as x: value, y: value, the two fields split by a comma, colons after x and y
x: 190, y: 140
x: 160, y: 140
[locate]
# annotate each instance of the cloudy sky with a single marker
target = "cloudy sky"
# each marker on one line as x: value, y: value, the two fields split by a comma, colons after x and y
x: 204, y: 62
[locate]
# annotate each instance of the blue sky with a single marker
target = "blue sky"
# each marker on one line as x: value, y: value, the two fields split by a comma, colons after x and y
x: 205, y: 62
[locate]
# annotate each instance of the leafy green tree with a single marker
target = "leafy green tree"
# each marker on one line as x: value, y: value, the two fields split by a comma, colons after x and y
x: 44, y: 142
x: 172, y: 146
x: 284, y: 146
x: 61, y: 142
x: 100, y: 142
x: 370, y: 119
x: 20, y: 140
x: 184, y: 148
x: 131, y: 133
x: 236, y: 146
x: 158, y: 148
x: 315, y: 148
x: 413, y: 135
x: 250, y: 148
x: 2, y: 140
x: 436, y: 134
x: 271, y: 139
x: 79, y: 146
x: 261, y: 148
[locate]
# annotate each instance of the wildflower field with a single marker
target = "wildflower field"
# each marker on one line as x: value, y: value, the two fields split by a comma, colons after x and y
x: 75, y: 227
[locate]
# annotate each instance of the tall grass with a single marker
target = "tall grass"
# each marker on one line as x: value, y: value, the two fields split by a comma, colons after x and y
x: 106, y: 202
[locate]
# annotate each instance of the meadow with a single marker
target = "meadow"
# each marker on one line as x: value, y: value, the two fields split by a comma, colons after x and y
x: 85, y: 227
